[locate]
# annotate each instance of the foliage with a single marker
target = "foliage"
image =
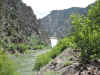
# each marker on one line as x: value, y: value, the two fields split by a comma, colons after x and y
x: 67, y: 63
x: 6, y: 65
x: 15, y: 28
x: 82, y: 34
x: 87, y: 30
x: 32, y: 43
x: 22, y: 47
x: 41, y: 46
x: 86, y: 36
x: 13, y: 47
x: 36, y: 43
x: 43, y: 59
x: 94, y: 13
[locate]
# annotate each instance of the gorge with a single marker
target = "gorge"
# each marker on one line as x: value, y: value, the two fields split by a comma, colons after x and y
x: 26, y: 40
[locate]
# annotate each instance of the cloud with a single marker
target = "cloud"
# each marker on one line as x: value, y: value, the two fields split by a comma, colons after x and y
x: 43, y: 7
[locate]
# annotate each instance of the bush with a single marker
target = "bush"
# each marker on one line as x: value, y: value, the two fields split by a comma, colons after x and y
x: 41, y: 61
x: 67, y: 63
x: 40, y: 46
x: 36, y: 43
x: 13, y: 47
x: 87, y: 37
x: 44, y: 59
x: 33, y: 42
x: 6, y: 65
x: 21, y: 47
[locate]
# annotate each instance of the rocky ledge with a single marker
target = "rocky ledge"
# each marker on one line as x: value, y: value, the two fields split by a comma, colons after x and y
x: 67, y: 63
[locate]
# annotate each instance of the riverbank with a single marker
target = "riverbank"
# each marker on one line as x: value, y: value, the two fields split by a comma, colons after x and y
x: 25, y: 62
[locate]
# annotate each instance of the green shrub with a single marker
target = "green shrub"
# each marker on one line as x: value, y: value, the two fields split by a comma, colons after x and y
x: 33, y: 42
x: 13, y: 47
x: 36, y: 43
x: 87, y: 33
x: 87, y: 37
x: 21, y: 47
x: 44, y: 59
x: 6, y: 65
x: 67, y: 63
x: 39, y: 47
x: 41, y: 61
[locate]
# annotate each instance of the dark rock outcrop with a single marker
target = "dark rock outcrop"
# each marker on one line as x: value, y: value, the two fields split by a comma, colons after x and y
x: 17, y: 21
x: 58, y: 22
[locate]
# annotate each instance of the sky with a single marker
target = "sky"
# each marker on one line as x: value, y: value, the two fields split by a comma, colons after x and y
x: 43, y: 7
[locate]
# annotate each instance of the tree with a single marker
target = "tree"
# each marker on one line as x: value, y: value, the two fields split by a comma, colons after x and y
x: 87, y: 33
x: 82, y: 36
x: 94, y: 16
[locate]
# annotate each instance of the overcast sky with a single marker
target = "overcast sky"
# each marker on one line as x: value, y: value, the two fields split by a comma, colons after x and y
x: 43, y: 7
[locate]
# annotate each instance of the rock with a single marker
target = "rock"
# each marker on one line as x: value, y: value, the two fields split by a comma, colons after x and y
x: 17, y: 21
x: 57, y: 65
x: 58, y: 22
x: 59, y: 62
x: 71, y: 70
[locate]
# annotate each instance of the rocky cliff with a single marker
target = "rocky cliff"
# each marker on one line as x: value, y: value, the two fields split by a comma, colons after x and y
x: 17, y: 21
x: 58, y: 22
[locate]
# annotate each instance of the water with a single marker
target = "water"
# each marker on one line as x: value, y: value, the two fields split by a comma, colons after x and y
x: 26, y: 62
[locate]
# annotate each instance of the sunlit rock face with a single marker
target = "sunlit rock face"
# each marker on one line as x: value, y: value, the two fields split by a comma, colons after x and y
x: 17, y: 21
x: 58, y: 22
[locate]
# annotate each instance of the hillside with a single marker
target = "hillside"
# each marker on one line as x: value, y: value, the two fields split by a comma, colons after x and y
x: 58, y: 22
x: 17, y: 21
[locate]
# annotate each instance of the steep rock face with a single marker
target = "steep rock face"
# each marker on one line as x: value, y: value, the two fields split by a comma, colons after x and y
x: 17, y: 21
x: 58, y: 22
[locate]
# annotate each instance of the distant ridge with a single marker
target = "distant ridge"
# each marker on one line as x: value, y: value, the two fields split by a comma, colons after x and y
x: 58, y: 22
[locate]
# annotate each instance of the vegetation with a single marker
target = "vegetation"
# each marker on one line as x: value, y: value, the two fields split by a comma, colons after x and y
x: 87, y: 30
x: 85, y: 37
x: 16, y: 30
x: 43, y: 59
x: 68, y: 63
x: 13, y: 47
x: 6, y: 65
x: 32, y: 43
x: 35, y: 43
